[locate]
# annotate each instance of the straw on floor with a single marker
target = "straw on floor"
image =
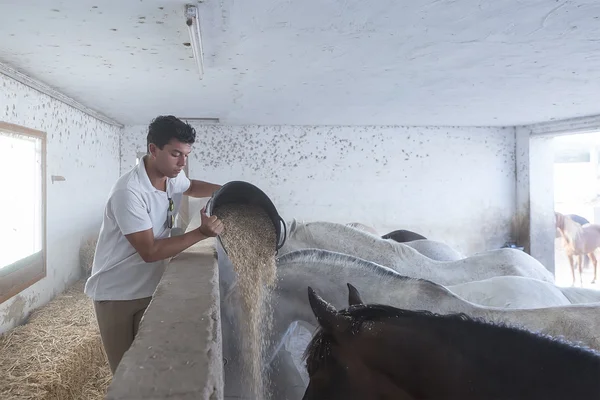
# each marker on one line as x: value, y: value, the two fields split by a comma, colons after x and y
x: 57, y: 354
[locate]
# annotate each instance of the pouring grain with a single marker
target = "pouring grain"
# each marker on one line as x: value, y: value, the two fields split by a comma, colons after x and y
x: 249, y: 238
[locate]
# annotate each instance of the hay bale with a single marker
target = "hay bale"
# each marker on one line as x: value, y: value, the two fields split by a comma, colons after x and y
x: 86, y: 255
x: 58, y: 354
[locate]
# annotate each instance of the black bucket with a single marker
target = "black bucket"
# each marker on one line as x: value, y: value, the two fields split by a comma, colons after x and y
x: 241, y: 192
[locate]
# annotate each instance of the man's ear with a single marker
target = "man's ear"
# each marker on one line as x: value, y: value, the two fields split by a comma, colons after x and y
x: 152, y: 149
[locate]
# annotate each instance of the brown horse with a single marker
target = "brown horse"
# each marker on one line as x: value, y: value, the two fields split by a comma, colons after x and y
x: 382, y: 352
x: 578, y: 240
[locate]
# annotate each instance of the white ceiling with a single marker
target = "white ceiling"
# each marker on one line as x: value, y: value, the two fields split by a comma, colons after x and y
x: 411, y: 62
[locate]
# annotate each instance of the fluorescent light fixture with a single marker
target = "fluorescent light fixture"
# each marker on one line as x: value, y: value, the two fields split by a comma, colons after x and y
x: 193, y: 24
x: 202, y: 119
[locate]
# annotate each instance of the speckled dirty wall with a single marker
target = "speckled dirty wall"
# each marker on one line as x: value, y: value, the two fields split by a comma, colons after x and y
x: 535, y: 194
x: 85, y: 152
x: 451, y: 184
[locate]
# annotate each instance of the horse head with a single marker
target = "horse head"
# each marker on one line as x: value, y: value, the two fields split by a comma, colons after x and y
x: 559, y: 220
x: 334, y: 363
x: 327, y: 316
x: 372, y: 351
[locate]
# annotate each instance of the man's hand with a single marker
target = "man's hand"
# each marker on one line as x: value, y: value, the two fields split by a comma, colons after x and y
x: 210, y: 226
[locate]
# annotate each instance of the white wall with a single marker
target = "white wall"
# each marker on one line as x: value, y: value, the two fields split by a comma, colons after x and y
x: 451, y: 184
x: 86, y: 152
x: 542, y: 219
x: 523, y: 189
x: 535, y: 193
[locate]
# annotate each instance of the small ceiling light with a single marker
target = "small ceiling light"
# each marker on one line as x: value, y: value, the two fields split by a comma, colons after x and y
x: 193, y: 24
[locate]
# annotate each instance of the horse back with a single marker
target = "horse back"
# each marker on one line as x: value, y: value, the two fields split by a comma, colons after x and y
x: 578, y: 218
x: 590, y: 237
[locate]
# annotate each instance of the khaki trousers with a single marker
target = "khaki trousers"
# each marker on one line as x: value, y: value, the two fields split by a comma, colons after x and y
x: 119, y: 321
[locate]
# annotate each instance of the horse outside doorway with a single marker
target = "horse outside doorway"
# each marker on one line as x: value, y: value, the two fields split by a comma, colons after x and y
x: 576, y: 181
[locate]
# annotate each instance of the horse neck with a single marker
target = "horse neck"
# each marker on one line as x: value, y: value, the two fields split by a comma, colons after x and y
x: 414, y: 350
x: 447, y: 353
x: 581, y: 295
x: 427, y: 296
x: 571, y: 229
x: 343, y: 239
x: 329, y: 277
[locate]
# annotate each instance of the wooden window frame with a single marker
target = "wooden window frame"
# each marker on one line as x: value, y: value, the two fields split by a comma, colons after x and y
x: 27, y: 271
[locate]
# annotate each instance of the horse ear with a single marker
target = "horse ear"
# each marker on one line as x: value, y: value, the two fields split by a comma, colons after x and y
x: 330, y: 320
x: 292, y: 226
x: 353, y: 296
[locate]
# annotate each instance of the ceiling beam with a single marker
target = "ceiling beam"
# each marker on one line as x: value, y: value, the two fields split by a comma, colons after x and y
x: 55, y: 94
x: 566, y: 126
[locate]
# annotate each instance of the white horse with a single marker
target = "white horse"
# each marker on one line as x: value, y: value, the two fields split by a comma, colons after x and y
x: 363, y: 227
x: 408, y: 261
x: 577, y: 295
x: 511, y: 292
x: 328, y: 272
x: 435, y: 250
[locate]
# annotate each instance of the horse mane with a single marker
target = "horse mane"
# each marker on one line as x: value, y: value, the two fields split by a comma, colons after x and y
x: 304, y: 227
x: 341, y: 260
x: 318, y: 352
x: 336, y: 261
x: 364, y: 228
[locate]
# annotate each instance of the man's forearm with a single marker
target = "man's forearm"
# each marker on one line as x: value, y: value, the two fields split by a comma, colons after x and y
x: 201, y: 189
x: 169, y: 247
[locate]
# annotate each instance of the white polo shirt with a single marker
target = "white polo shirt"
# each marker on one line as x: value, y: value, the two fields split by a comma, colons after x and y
x: 118, y: 271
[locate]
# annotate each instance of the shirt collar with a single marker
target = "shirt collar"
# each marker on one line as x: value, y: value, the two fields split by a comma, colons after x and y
x: 143, y: 176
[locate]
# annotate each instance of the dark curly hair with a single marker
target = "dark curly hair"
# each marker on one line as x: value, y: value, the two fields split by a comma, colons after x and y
x: 166, y: 127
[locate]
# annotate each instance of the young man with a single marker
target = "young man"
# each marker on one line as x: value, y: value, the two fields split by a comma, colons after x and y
x: 134, y: 242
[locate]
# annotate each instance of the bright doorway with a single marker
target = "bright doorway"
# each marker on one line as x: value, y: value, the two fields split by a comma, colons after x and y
x: 576, y: 191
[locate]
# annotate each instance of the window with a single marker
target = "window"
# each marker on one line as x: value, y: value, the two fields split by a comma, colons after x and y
x: 23, y: 205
